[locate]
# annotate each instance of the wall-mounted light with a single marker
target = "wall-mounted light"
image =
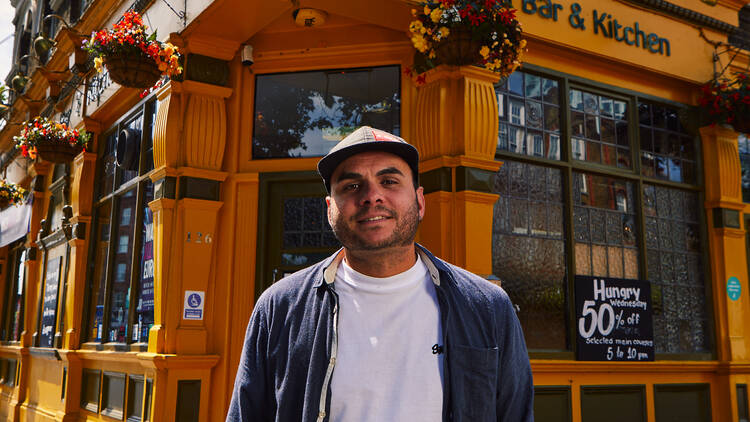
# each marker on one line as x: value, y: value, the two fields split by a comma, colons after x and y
x: 308, y: 17
x: 42, y: 43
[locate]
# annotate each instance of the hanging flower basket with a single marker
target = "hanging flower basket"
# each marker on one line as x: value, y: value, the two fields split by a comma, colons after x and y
x: 459, y: 49
x: 10, y: 194
x: 50, y: 141
x: 727, y: 101
x: 134, y: 71
x: 133, y: 58
x: 465, y: 32
x: 57, y: 152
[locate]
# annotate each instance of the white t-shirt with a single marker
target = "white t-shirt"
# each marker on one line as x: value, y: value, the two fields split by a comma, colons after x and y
x: 385, y: 368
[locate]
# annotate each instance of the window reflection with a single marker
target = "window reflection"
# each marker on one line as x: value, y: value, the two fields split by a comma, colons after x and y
x: 604, y: 227
x: 527, y: 125
x: 304, y: 114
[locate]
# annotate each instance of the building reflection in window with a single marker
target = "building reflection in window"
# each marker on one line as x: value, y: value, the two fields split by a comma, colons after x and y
x: 304, y: 114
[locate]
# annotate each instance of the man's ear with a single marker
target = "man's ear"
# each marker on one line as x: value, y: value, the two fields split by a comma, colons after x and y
x: 420, y: 202
x: 328, y: 210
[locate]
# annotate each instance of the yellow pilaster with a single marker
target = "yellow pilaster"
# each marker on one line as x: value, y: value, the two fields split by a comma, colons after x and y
x: 727, y: 254
x: 456, y: 134
x: 84, y: 170
x: 189, y: 144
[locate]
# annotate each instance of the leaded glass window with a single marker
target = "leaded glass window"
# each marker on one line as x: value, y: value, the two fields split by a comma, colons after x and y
x: 608, y: 205
x: 673, y: 246
x: 667, y: 151
x: 527, y: 231
x: 304, y: 114
x: 604, y: 227
x: 529, y: 114
x: 599, y: 129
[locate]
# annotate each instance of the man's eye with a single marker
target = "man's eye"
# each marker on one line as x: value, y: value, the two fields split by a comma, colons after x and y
x: 351, y: 186
x: 389, y: 182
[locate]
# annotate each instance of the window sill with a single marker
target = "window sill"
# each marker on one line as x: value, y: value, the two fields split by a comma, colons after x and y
x: 44, y: 353
x: 115, y: 347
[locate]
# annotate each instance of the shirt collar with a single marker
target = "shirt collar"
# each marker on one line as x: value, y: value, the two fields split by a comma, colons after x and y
x: 329, y: 274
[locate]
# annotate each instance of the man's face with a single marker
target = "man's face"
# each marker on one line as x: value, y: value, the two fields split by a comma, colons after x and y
x: 373, y: 204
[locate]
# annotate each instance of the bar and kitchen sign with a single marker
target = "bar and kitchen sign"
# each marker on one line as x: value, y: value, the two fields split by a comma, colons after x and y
x: 614, y: 321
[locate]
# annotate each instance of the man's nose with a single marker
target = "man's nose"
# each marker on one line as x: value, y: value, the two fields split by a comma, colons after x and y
x: 371, y: 193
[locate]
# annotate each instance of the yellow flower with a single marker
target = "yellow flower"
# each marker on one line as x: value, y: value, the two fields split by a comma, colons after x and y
x: 432, y: 54
x: 522, y: 44
x: 484, y: 51
x: 444, y: 32
x: 168, y: 49
x: 427, y: 10
x: 420, y: 43
x: 162, y: 67
x: 98, y: 64
x: 416, y: 27
x: 414, y: 12
x: 436, y: 15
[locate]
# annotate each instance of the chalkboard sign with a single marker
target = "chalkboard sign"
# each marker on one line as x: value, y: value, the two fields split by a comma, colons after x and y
x: 49, y: 305
x: 613, y: 319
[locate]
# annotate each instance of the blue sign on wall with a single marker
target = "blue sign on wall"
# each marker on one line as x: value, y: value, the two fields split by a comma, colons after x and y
x: 734, y: 288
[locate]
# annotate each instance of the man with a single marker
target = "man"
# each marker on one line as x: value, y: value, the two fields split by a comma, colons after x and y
x: 382, y: 330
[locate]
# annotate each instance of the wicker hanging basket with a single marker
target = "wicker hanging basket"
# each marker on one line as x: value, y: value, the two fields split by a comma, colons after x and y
x: 742, y: 125
x: 56, y: 151
x: 458, y: 49
x: 133, y: 70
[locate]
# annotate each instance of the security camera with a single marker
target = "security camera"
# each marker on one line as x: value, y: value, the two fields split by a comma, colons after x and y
x: 247, y: 55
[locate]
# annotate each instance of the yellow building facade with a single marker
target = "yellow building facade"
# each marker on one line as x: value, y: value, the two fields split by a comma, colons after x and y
x: 128, y: 297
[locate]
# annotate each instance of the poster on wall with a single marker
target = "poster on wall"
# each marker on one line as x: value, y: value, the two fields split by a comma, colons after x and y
x: 49, y: 304
x: 613, y: 319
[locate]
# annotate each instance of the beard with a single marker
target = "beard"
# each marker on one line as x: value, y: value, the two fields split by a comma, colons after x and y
x: 403, y: 234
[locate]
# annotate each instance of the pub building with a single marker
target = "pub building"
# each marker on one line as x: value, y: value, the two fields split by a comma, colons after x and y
x: 587, y: 184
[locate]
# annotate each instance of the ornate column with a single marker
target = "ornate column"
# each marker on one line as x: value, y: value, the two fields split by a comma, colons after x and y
x: 456, y: 134
x: 189, y: 144
x: 726, y: 238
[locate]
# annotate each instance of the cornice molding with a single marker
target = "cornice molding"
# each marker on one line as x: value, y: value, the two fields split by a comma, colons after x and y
x: 688, y: 15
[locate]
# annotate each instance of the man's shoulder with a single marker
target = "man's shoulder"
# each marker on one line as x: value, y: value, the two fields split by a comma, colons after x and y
x: 293, y: 287
x: 470, y: 285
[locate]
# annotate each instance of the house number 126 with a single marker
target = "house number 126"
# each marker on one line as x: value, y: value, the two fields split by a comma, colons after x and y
x: 199, y: 237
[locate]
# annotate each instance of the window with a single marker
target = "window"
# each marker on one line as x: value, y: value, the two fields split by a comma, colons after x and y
x: 121, y: 284
x: 743, y: 144
x: 16, y: 286
x: 304, y: 114
x: 584, y: 206
x: 529, y: 113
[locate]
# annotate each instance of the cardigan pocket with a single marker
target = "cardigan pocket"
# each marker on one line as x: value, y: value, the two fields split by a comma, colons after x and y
x: 474, y: 374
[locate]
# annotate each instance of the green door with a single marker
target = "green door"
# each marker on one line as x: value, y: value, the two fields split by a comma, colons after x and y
x: 293, y: 230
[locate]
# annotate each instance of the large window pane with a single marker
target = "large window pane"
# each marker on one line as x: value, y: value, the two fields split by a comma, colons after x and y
x: 120, y: 286
x: 304, y: 114
x: 604, y: 227
x: 144, y: 311
x: 744, y: 148
x: 101, y: 254
x: 16, y: 296
x: 599, y: 129
x: 675, y: 269
x: 529, y: 115
x: 667, y: 150
x: 528, y: 250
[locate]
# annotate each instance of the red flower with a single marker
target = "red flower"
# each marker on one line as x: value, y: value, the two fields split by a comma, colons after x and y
x: 746, y: 99
x: 421, y: 79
